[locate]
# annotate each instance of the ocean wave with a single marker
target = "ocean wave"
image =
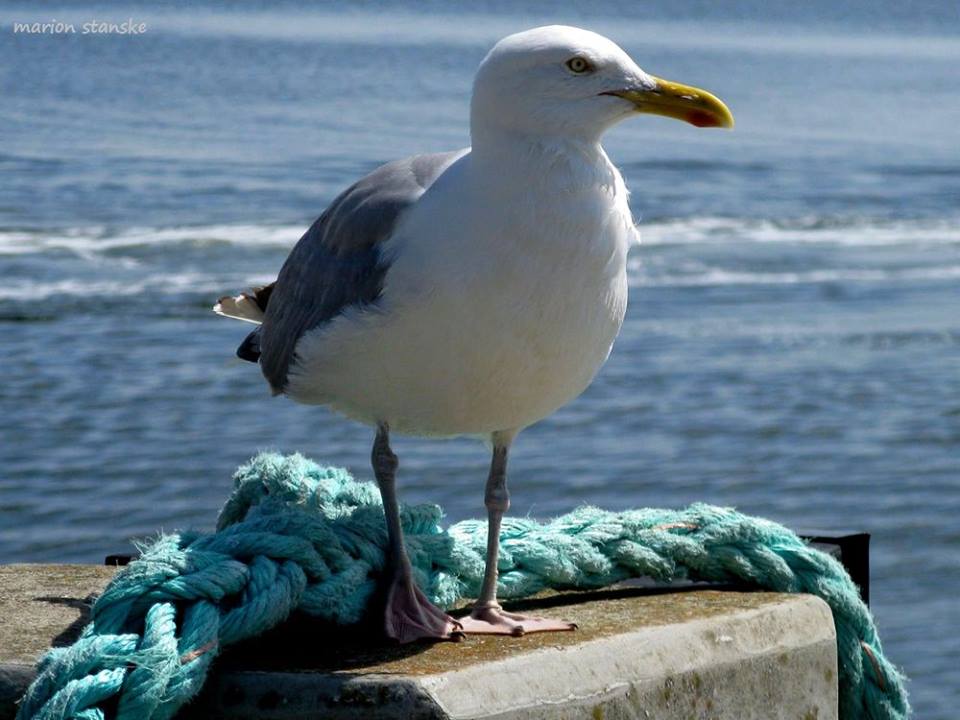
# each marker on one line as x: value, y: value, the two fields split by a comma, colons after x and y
x: 709, y: 277
x: 151, y: 286
x: 214, y: 285
x: 825, y: 230
x: 113, y: 263
x: 97, y: 240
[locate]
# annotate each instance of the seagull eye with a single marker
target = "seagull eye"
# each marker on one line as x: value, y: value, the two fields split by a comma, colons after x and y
x: 579, y: 66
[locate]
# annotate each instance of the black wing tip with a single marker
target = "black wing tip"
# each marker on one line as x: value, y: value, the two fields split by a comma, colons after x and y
x: 261, y: 295
x: 249, y: 349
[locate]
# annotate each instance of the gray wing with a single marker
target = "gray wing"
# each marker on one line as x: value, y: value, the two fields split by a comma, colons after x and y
x: 337, y: 263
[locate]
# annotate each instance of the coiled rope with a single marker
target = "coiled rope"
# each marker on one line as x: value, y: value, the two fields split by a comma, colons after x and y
x: 295, y: 535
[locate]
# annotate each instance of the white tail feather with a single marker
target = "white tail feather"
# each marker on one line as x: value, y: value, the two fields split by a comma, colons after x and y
x: 242, y: 307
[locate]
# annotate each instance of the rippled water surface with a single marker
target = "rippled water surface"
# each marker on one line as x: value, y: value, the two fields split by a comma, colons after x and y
x: 792, y: 341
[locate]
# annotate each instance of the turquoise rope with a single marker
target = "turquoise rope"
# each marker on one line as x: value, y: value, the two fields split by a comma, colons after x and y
x: 295, y: 535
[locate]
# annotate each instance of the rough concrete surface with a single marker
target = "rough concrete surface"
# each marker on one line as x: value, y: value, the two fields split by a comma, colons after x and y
x: 638, y: 654
x: 40, y: 606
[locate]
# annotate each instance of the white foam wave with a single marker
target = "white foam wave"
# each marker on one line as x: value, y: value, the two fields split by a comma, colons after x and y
x: 156, y: 285
x: 216, y: 285
x: 96, y: 240
x: 86, y: 241
x: 128, y: 273
x: 714, y: 277
x: 835, y: 231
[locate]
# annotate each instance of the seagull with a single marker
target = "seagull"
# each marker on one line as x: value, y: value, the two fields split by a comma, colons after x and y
x: 474, y: 292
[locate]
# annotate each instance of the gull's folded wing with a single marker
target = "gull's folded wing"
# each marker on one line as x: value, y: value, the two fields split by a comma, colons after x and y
x: 338, y: 264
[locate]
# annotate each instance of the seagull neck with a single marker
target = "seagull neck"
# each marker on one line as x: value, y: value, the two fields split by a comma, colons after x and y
x: 502, y: 150
x: 558, y: 164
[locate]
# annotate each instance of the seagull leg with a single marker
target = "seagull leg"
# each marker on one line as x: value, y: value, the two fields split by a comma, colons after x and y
x: 487, y: 616
x: 409, y: 614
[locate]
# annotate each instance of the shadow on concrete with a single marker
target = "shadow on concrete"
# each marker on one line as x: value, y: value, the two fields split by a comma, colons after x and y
x: 303, y: 644
x: 72, y: 631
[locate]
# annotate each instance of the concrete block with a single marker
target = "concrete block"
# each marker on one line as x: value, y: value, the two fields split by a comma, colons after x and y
x: 638, y: 654
x: 40, y: 606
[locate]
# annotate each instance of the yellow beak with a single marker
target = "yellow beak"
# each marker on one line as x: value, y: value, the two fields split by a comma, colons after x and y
x: 683, y: 102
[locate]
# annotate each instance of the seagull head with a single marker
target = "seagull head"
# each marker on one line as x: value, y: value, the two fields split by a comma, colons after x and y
x: 567, y: 82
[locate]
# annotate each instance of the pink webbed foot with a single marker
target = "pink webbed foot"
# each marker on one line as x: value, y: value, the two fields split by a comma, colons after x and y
x: 494, y: 620
x: 411, y: 616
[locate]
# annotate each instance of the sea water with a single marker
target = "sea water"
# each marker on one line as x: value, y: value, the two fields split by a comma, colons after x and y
x: 792, y: 345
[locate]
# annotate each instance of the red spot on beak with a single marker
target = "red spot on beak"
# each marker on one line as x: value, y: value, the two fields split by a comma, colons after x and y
x: 701, y: 119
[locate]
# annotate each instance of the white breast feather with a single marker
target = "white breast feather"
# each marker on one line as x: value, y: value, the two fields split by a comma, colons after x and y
x: 494, y: 313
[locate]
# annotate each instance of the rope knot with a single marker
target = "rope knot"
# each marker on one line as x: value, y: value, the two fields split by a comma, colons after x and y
x: 297, y: 536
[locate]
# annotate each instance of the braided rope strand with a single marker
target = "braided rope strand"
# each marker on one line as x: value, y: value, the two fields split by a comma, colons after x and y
x: 298, y: 536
